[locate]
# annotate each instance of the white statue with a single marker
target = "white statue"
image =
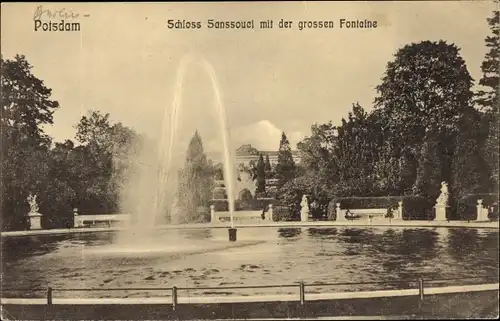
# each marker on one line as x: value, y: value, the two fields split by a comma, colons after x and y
x: 443, y: 197
x: 304, y: 209
x: 32, y: 202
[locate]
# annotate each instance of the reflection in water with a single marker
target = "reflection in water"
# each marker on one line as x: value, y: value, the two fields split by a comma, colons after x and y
x: 462, y: 243
x: 357, y: 235
x: 283, y: 256
x: 474, y: 249
x: 408, y: 254
x: 322, y: 233
x: 197, y: 234
x: 289, y: 232
x: 18, y: 248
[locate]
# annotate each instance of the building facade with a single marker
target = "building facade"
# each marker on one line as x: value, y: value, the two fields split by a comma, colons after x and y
x: 246, y: 156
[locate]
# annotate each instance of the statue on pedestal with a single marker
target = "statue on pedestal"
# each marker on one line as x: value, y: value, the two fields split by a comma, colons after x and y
x: 304, y: 210
x: 33, y: 215
x: 442, y: 203
x: 32, y: 202
x: 443, y: 197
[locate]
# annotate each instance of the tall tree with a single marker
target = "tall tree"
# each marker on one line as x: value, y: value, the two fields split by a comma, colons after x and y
x: 426, y: 89
x: 59, y: 194
x: 355, y: 155
x: 267, y: 167
x: 261, y: 178
x: 429, y: 175
x: 285, y: 168
x: 106, y: 154
x: 487, y: 98
x: 318, y: 155
x: 26, y: 105
x: 196, y: 181
x: 427, y: 85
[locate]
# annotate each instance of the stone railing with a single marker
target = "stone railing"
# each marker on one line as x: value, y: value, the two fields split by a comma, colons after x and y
x: 370, y: 213
x: 82, y: 220
x: 218, y: 217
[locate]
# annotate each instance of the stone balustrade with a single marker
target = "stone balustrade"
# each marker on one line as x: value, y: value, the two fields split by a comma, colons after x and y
x: 218, y: 217
x: 371, y: 213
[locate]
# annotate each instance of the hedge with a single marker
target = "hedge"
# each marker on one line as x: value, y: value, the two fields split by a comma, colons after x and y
x: 222, y: 205
x: 418, y: 208
x: 466, y: 206
x: 284, y: 213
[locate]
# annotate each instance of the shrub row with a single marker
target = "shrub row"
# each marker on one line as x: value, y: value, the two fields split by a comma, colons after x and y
x: 418, y: 208
x: 284, y: 213
x: 243, y: 205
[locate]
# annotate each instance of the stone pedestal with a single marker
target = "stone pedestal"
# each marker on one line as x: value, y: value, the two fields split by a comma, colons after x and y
x: 304, y: 216
x: 482, y: 212
x: 35, y: 220
x: 399, y: 212
x: 340, y: 214
x: 212, y: 213
x: 76, y: 221
x: 270, y: 213
x: 440, y: 212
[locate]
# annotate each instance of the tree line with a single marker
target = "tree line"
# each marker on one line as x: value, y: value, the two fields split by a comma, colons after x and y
x: 427, y: 125
x: 88, y: 176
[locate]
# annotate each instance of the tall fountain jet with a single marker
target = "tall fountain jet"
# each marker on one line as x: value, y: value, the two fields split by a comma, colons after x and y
x: 163, y: 199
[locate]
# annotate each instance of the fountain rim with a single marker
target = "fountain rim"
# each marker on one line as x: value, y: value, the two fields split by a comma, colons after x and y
x: 493, y: 226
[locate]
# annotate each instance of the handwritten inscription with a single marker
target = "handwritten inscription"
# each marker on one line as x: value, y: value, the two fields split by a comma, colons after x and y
x: 62, y: 19
x: 63, y: 13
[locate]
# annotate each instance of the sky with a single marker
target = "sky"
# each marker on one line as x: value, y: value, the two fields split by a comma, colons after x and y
x: 125, y: 61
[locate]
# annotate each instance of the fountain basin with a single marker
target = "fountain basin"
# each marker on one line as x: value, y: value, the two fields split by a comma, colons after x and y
x: 261, y: 256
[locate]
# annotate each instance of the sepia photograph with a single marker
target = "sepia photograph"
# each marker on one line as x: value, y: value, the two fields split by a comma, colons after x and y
x: 332, y: 160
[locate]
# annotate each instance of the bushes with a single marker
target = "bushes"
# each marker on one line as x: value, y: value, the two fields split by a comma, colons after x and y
x: 245, y: 195
x: 418, y: 208
x: 219, y: 193
x: 284, y: 213
x: 466, y: 206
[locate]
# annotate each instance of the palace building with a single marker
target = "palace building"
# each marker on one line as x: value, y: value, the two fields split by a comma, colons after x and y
x: 246, y: 155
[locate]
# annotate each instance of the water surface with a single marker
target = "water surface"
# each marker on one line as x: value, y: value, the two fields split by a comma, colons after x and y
x: 262, y: 256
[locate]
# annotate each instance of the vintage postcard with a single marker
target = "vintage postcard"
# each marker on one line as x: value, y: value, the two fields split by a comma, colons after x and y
x: 249, y: 160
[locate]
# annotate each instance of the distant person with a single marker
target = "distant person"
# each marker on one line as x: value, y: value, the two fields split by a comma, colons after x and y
x: 349, y: 215
x: 493, y: 212
x: 263, y: 215
x: 389, y: 212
